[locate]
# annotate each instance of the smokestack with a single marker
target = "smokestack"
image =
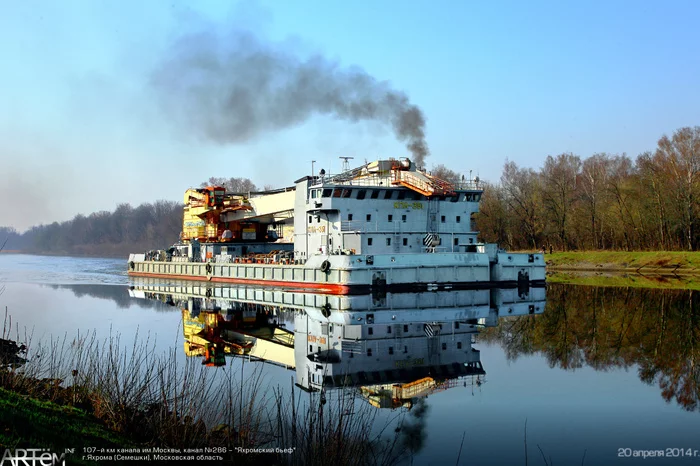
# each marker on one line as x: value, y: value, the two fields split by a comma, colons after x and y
x: 234, y: 90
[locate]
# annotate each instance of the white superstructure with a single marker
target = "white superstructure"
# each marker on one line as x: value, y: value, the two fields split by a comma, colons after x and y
x: 384, y: 225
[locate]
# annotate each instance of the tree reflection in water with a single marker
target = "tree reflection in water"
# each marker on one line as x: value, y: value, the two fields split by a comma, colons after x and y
x: 608, y: 328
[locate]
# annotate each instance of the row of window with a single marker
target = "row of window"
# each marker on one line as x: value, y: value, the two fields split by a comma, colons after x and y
x: 405, y: 349
x: 370, y: 242
x: 393, y: 194
x: 388, y: 243
x: 370, y: 330
x: 390, y: 218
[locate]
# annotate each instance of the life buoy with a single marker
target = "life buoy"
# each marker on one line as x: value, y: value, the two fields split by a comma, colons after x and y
x: 326, y: 310
x: 208, y: 268
x: 325, y: 266
x: 131, y: 265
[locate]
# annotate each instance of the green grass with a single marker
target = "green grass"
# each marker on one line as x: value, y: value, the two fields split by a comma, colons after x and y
x: 30, y: 423
x: 685, y: 282
x: 663, y: 261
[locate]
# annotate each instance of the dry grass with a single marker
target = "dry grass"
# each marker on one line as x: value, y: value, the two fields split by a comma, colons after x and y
x: 153, y: 399
x: 645, y: 261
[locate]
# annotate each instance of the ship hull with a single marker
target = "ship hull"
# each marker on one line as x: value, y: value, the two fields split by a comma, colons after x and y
x: 356, y: 274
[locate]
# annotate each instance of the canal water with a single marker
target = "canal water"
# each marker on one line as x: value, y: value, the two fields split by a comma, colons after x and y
x: 585, y: 375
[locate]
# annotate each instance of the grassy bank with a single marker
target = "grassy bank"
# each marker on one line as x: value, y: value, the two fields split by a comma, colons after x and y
x: 30, y: 423
x: 656, y: 262
x: 85, y: 392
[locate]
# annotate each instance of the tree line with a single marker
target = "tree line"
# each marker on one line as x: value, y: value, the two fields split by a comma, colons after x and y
x: 126, y: 229
x: 607, y: 201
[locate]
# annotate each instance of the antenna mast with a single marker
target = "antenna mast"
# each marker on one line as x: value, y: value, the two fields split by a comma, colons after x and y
x: 346, y: 163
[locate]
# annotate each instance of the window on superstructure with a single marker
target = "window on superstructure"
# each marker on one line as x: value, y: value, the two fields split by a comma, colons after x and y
x: 456, y: 325
x: 349, y: 217
x: 402, y: 195
x: 347, y: 192
x: 456, y: 241
x: 444, y: 346
x: 313, y: 194
x: 369, y: 241
x: 327, y: 193
x: 405, y: 241
x: 369, y: 351
x: 375, y: 194
x: 388, y: 329
x: 442, y: 219
x: 459, y: 345
x: 388, y: 193
x: 311, y: 348
x: 468, y: 197
x: 477, y: 197
x: 403, y: 218
x: 370, y: 331
x: 337, y: 192
x: 405, y: 328
x: 361, y: 193
x: 459, y: 219
x: 369, y: 217
x: 405, y: 349
x: 391, y: 350
x: 390, y: 218
x: 454, y: 198
x: 388, y: 241
x: 310, y: 219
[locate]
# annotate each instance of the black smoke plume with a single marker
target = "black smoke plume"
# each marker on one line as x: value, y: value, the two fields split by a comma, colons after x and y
x: 236, y: 88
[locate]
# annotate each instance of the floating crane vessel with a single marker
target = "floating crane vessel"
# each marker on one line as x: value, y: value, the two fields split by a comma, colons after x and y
x: 384, y: 226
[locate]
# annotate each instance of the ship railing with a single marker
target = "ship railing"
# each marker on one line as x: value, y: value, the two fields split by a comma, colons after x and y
x: 436, y: 249
x: 372, y: 179
x: 399, y: 227
x: 375, y: 180
x: 466, y: 185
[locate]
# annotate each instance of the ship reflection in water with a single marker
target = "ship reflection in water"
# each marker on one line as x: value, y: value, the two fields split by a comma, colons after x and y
x: 395, y: 347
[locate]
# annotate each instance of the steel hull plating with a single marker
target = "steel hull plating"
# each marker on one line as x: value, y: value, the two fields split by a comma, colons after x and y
x: 362, y: 273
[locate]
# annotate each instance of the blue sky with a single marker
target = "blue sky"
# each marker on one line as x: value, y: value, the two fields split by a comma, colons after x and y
x: 81, y: 131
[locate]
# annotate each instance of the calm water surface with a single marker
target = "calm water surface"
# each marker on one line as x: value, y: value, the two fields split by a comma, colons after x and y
x: 599, y: 371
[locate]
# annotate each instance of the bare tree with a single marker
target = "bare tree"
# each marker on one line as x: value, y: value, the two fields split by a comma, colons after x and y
x: 592, y: 183
x: 444, y: 173
x: 232, y: 185
x: 680, y: 156
x: 522, y: 191
x: 560, y: 175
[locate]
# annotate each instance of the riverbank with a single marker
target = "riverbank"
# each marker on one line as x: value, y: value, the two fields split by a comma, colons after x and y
x: 121, y: 403
x: 43, y: 424
x: 645, y: 262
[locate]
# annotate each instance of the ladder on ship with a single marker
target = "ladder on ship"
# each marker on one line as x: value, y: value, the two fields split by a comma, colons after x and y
x: 422, y: 183
x: 433, y: 226
x: 397, y: 236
